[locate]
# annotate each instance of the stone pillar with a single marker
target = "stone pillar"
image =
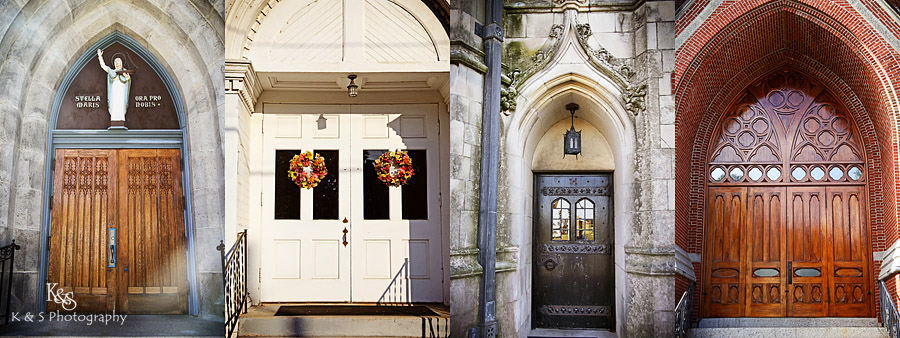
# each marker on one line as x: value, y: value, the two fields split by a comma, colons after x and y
x: 467, y: 71
x: 650, y: 253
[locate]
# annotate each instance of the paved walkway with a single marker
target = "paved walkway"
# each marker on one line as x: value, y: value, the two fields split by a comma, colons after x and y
x: 132, y: 326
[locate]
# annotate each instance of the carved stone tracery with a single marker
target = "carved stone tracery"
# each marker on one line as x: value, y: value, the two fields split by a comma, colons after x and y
x: 633, y: 94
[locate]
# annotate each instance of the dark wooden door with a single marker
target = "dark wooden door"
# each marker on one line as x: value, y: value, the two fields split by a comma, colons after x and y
x: 117, y: 230
x: 787, y: 231
x: 573, y: 241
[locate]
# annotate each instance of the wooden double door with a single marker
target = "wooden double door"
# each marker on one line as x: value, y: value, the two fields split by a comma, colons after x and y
x: 788, y: 251
x: 117, y: 235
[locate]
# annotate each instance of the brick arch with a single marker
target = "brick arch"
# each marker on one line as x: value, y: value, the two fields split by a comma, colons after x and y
x: 743, y: 42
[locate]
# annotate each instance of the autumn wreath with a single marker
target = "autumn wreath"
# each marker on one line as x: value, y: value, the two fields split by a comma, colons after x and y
x: 307, y: 170
x: 394, y: 168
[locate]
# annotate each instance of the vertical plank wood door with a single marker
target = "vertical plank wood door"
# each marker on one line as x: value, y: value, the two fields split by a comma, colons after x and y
x: 807, y: 239
x: 850, y: 256
x: 764, y: 253
x: 724, y: 290
x: 786, y: 229
x: 84, y: 208
x: 138, y: 194
x: 151, y: 217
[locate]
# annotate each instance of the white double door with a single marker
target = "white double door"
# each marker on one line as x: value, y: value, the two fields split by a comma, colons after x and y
x: 352, y: 238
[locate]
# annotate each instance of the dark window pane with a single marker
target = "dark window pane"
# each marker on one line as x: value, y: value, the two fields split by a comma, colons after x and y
x: 325, y: 195
x: 415, y: 192
x: 287, y: 193
x: 375, y: 192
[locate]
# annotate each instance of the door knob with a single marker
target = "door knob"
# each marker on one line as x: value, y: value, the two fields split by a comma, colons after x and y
x: 345, y: 235
x: 345, y: 220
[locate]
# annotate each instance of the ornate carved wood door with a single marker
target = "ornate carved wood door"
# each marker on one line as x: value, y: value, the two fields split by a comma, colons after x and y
x: 151, y: 222
x: 117, y: 230
x: 573, y: 264
x: 787, y: 228
x: 84, y: 208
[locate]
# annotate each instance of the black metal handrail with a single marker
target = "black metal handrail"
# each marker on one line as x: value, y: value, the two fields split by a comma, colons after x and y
x: 234, y: 276
x: 683, y: 312
x: 7, y: 258
x: 890, y: 319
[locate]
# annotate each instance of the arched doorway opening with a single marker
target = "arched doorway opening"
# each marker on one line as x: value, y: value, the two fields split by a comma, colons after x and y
x: 117, y: 226
x: 573, y: 276
x: 787, y: 224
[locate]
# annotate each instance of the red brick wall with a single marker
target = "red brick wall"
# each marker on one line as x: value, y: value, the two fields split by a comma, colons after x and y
x: 745, y: 40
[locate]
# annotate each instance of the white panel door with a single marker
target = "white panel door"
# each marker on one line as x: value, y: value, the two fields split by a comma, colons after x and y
x: 393, y: 249
x: 396, y: 246
x: 303, y: 255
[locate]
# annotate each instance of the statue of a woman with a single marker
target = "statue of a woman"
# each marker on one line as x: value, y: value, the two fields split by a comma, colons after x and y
x: 118, y: 85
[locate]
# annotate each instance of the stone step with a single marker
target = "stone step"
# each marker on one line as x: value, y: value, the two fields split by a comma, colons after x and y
x: 788, y: 322
x: 790, y: 332
x: 261, y: 321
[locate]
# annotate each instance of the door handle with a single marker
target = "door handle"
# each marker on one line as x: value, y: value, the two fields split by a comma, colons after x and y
x: 111, y: 251
x: 790, y: 272
x: 345, y: 236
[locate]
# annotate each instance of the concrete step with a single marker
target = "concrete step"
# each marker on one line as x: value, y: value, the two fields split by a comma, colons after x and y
x: 788, y: 322
x: 828, y: 327
x: 790, y: 332
x: 261, y: 321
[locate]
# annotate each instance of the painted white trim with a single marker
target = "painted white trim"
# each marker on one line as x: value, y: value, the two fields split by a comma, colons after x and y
x: 683, y: 265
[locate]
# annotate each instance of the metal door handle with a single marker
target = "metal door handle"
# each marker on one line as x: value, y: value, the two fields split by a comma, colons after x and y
x: 111, y: 253
x: 790, y: 272
x: 345, y: 236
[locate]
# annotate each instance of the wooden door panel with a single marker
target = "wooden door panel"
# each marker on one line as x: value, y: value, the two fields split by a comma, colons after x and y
x: 765, y: 273
x: 807, y: 238
x: 725, y: 292
x: 83, y: 208
x: 850, y: 274
x: 573, y: 262
x: 153, y: 278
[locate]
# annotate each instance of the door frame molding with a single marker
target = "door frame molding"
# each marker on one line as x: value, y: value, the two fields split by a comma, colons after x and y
x: 119, y: 139
x: 535, y: 176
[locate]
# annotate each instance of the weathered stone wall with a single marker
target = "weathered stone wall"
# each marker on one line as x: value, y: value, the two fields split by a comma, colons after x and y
x: 40, y: 41
x: 590, y: 42
x: 466, y: 92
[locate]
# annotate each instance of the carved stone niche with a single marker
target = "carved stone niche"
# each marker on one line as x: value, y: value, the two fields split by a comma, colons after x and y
x: 85, y: 105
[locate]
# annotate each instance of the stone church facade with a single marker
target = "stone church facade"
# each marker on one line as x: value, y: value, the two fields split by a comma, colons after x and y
x: 602, y: 219
x: 63, y: 168
x: 802, y: 243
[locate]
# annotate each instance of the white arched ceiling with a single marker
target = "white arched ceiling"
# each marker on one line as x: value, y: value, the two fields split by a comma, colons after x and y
x: 342, y: 36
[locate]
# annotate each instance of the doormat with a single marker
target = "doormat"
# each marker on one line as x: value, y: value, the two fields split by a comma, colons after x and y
x: 355, y: 310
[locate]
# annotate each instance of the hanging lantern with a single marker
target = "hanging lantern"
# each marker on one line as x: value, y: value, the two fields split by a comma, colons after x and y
x: 572, y: 138
x: 353, y: 88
